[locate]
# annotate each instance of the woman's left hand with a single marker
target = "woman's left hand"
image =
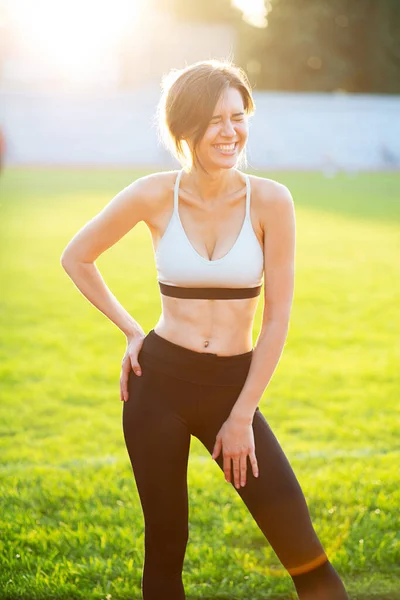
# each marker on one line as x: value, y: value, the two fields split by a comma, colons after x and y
x: 236, y: 439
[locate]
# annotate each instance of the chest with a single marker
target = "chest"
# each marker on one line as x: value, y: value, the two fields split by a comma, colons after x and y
x: 211, y: 229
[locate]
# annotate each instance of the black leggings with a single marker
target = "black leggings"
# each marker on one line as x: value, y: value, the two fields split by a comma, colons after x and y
x: 181, y: 393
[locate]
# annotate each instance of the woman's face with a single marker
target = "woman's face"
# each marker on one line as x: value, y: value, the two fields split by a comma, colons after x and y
x: 226, y: 134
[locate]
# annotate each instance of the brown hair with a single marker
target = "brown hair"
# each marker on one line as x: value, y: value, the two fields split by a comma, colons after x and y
x: 188, y: 99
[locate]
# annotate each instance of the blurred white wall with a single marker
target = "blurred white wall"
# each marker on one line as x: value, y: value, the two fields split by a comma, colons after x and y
x: 290, y: 131
x: 325, y: 131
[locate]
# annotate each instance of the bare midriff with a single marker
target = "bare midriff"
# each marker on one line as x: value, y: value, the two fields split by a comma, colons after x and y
x: 222, y: 327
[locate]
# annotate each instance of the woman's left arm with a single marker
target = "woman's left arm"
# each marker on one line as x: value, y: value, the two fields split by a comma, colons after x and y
x: 278, y: 222
x: 236, y: 436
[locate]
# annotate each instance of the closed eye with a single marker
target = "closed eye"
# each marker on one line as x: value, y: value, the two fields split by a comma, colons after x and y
x: 237, y: 120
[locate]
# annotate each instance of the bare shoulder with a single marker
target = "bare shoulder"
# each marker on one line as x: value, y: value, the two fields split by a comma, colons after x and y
x: 273, y: 200
x: 142, y: 200
x: 268, y: 191
x: 154, y: 183
x: 151, y: 191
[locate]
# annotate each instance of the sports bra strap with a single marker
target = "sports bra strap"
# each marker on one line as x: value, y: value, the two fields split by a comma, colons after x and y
x: 176, y: 190
x: 248, y: 193
x: 247, y: 216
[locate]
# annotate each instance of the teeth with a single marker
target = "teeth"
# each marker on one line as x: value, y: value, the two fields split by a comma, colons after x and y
x: 225, y: 146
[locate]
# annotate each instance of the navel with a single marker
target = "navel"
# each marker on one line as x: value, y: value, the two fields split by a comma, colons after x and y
x: 206, y: 343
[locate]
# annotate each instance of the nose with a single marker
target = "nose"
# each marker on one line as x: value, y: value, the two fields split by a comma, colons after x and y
x: 228, y: 130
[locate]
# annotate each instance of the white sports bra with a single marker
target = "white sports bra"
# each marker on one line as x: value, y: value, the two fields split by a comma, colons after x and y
x: 184, y: 273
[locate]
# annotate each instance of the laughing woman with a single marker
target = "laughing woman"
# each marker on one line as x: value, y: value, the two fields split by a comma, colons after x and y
x: 218, y: 234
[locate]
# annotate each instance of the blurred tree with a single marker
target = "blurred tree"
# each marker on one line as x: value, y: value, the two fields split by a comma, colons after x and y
x: 386, y: 72
x: 325, y: 45
x: 311, y: 45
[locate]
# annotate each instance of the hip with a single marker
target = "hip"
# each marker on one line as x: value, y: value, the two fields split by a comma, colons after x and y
x: 205, y: 368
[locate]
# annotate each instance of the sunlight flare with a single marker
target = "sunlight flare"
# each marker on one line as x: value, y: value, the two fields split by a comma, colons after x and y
x: 75, y: 38
x: 254, y: 11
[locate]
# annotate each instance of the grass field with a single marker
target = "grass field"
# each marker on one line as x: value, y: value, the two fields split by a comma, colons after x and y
x: 70, y: 517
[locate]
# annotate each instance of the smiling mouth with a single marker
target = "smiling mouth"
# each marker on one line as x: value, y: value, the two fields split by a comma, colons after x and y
x: 226, y: 148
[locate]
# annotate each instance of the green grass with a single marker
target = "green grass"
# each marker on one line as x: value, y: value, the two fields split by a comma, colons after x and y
x: 70, y: 517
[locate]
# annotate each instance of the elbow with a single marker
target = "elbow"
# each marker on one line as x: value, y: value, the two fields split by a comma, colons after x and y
x: 64, y: 263
x: 67, y: 261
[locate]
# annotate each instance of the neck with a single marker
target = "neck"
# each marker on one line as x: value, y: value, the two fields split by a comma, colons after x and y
x: 213, y: 184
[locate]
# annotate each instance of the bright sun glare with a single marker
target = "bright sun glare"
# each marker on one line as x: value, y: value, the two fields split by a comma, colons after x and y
x: 79, y: 41
x: 72, y: 36
x: 254, y: 11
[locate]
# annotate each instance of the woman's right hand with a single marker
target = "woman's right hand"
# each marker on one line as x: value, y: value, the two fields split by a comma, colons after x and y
x: 130, y: 361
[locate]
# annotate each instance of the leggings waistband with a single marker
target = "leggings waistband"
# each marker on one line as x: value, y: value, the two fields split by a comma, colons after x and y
x: 198, y: 367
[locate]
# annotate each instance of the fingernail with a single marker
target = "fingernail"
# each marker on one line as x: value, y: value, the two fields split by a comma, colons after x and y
x: 256, y: 474
x: 237, y: 485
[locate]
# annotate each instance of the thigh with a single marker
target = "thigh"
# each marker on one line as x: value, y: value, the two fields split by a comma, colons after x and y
x: 275, y: 499
x: 158, y: 441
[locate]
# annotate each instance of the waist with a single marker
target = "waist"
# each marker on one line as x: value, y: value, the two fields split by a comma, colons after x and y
x: 220, y: 327
x: 205, y: 368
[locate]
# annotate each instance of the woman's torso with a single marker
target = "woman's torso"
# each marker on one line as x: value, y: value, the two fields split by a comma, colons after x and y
x: 199, y: 231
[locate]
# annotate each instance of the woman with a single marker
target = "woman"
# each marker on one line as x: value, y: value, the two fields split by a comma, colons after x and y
x: 216, y: 232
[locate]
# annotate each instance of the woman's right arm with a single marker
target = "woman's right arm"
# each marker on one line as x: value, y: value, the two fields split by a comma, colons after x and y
x: 133, y: 204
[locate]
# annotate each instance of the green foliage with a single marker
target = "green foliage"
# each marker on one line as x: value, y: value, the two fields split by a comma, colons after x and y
x: 312, y: 45
x: 319, y: 45
x: 70, y: 518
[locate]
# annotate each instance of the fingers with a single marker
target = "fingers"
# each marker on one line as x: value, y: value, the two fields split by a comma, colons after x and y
x: 243, y: 469
x: 133, y: 351
x: 227, y: 468
x: 124, y: 378
x: 236, y: 470
x: 135, y: 365
x: 217, y: 448
x: 254, y: 464
x: 129, y: 362
x: 239, y: 468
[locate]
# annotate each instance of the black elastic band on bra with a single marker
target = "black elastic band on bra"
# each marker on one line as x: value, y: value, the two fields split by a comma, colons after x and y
x: 209, y: 293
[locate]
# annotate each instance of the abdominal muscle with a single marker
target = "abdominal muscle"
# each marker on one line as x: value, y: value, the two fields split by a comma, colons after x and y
x: 222, y: 327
